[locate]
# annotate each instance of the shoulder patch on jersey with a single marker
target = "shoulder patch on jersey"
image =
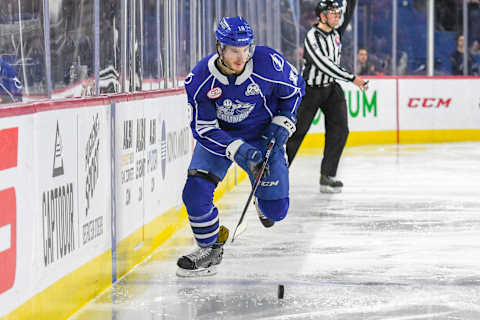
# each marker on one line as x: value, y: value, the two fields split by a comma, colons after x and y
x: 338, y: 43
x: 252, y: 90
x: 189, y: 78
x: 292, y: 67
x: 293, y: 77
x: 214, y: 93
x: 277, y: 62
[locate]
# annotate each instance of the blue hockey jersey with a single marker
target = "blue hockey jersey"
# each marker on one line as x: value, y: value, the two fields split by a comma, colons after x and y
x: 227, y: 108
x: 10, y: 86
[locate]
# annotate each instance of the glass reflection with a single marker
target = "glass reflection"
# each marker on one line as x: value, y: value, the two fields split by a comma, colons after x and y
x: 109, y: 75
x: 71, y: 46
x: 22, y: 74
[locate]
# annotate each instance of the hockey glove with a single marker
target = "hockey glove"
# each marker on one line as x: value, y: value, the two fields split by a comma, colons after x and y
x: 281, y: 128
x: 246, y: 156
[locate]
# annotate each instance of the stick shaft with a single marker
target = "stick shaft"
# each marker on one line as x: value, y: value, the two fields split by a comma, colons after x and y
x: 255, y: 185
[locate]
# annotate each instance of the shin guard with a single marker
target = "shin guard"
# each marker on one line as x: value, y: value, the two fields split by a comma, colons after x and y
x: 202, y: 214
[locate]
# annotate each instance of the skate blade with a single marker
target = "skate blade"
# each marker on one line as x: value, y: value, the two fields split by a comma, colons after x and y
x: 328, y: 189
x: 202, y: 272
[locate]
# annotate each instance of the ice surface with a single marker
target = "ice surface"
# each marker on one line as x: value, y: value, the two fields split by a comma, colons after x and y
x: 402, y: 241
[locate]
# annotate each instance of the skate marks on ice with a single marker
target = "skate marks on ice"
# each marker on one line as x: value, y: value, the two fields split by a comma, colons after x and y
x: 402, y: 241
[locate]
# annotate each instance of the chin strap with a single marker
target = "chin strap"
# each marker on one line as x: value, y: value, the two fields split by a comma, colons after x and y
x: 220, y: 57
x: 326, y: 23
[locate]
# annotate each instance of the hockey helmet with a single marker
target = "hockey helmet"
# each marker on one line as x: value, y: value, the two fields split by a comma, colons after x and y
x: 234, y: 31
x: 326, y: 5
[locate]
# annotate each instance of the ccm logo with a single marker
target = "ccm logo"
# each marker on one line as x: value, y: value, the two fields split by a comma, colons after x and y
x: 269, y: 183
x: 429, y: 102
x: 8, y: 211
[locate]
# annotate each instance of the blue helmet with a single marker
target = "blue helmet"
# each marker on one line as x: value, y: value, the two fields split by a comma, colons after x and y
x: 234, y: 31
x: 10, y: 86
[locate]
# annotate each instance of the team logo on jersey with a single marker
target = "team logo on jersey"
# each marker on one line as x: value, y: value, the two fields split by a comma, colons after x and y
x: 234, y: 112
x: 293, y: 77
x: 189, y: 78
x: 277, y: 61
x: 214, y: 93
x: 252, y: 90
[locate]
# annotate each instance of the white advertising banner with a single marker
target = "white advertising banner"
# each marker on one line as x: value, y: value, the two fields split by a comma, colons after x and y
x: 172, y: 148
x: 94, y: 178
x: 153, y: 150
x: 56, y: 217
x: 130, y: 135
x: 17, y: 194
x: 372, y: 110
x: 71, y: 215
x: 426, y: 104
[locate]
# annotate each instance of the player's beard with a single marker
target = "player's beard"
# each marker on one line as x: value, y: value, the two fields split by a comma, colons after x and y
x: 229, y: 67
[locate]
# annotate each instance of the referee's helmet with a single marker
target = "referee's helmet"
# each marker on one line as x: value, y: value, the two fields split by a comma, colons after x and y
x: 326, y: 5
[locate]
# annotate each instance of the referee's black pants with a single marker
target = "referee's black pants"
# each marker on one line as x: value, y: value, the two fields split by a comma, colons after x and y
x: 331, y: 100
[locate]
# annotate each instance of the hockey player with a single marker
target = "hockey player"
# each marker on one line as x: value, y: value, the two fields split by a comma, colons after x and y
x: 240, y: 97
x: 10, y: 86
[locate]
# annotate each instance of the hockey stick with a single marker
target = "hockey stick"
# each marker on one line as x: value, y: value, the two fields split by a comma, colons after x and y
x: 255, y: 185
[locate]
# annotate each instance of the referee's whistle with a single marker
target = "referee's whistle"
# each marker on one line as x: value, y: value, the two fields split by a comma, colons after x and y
x: 365, y: 85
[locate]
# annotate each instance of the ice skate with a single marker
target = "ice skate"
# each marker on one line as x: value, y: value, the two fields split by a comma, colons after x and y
x: 330, y: 184
x: 203, y: 261
x: 267, y: 223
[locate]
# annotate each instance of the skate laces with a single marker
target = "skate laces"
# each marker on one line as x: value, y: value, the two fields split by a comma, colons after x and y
x: 200, y: 254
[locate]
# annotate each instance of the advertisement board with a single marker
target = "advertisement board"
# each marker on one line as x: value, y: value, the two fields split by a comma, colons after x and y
x: 153, y: 150
x: 439, y: 104
x: 372, y: 110
x: 174, y: 147
x: 94, y: 178
x: 130, y: 131
x: 56, y: 204
x: 16, y: 204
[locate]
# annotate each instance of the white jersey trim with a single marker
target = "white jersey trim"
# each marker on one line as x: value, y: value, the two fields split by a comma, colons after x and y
x: 215, y: 72
x: 264, y: 99
x: 275, y: 81
x: 222, y: 78
x: 246, y: 73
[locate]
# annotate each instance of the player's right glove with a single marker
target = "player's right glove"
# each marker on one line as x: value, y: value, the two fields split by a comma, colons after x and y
x: 246, y: 156
x: 281, y: 128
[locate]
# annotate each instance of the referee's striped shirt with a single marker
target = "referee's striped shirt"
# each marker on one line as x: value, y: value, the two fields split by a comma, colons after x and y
x: 322, y: 52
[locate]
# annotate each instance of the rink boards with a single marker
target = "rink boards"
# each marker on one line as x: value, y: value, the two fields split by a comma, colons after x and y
x: 89, y: 187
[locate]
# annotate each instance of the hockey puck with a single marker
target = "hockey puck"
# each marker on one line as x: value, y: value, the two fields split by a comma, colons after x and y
x: 281, y: 291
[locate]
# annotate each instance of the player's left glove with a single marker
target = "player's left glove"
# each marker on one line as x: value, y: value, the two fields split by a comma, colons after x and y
x: 281, y: 128
x: 246, y: 156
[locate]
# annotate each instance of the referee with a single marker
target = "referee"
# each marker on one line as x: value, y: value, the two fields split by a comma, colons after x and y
x: 322, y: 51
